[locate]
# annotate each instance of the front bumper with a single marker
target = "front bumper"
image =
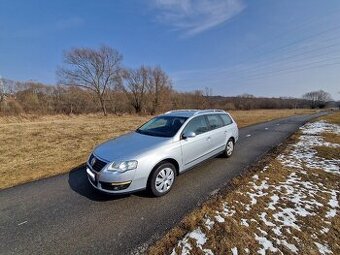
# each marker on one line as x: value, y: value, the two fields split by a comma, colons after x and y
x: 115, y: 183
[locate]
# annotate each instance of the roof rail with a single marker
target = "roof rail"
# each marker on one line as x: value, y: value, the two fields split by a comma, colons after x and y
x: 196, y: 111
x: 208, y: 110
x: 182, y: 110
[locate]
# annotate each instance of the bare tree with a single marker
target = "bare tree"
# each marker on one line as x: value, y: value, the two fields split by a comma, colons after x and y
x: 160, y: 86
x: 318, y: 98
x: 137, y: 84
x: 96, y: 70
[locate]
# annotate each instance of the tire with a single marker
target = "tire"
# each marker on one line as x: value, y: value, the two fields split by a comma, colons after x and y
x: 162, y: 179
x: 229, y: 148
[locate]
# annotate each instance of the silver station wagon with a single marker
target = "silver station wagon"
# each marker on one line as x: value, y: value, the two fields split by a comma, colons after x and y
x: 152, y: 156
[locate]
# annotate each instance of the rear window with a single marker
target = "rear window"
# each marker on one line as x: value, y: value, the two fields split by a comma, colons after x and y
x: 215, y: 121
x: 226, y: 119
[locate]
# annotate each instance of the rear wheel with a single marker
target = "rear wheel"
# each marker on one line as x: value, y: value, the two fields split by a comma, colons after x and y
x: 229, y: 148
x: 162, y: 179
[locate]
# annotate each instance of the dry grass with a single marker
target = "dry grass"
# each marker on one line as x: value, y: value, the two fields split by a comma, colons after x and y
x: 34, y: 147
x: 331, y: 137
x: 332, y: 118
x: 328, y: 152
x: 31, y: 150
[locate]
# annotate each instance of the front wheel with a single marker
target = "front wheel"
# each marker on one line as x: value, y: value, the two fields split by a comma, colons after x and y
x: 229, y: 148
x: 162, y: 179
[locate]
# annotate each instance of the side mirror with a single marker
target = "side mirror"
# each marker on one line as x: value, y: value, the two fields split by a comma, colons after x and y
x: 189, y: 134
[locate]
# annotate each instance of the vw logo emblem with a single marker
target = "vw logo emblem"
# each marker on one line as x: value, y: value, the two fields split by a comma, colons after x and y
x: 93, y: 161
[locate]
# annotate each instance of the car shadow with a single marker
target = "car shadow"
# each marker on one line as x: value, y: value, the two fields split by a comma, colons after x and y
x: 77, y: 179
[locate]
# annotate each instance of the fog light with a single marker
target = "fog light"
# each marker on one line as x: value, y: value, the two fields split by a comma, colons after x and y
x: 115, y: 186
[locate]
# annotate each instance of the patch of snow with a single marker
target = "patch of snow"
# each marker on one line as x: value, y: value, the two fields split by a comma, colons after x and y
x: 208, y: 223
x: 219, y: 218
x: 266, y: 245
x: 323, y: 249
x: 274, y: 199
x: 265, y: 221
x: 257, y: 192
x: 234, y: 251
x: 290, y: 246
x: 333, y: 202
x: 208, y: 252
x: 303, y: 152
x: 244, y: 222
x: 265, y: 168
x: 262, y: 232
x: 198, y: 236
x: 324, y: 230
x: 277, y: 230
x: 227, y: 211
x: 331, y: 213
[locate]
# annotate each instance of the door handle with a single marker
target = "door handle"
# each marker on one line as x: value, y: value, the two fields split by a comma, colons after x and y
x: 209, y: 138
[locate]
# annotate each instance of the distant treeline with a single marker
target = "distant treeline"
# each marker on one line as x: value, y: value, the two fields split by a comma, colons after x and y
x: 37, y: 98
x: 95, y: 80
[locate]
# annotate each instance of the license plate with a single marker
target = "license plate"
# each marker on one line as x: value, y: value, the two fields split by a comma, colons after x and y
x: 91, y: 174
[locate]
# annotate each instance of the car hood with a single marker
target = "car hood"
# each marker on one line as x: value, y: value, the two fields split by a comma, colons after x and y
x: 129, y: 146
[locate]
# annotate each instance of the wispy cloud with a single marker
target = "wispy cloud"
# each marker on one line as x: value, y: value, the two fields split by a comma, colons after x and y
x: 195, y: 16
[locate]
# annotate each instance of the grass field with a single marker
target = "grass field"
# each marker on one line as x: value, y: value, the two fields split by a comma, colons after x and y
x: 34, y: 147
x: 287, y: 204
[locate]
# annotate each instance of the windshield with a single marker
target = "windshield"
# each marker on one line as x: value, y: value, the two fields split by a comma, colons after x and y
x: 164, y: 126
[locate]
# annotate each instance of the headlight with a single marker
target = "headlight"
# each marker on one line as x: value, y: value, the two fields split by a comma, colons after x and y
x: 123, y: 166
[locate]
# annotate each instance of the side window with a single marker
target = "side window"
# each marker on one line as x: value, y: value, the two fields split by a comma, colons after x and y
x: 197, y: 125
x: 226, y: 119
x: 215, y: 121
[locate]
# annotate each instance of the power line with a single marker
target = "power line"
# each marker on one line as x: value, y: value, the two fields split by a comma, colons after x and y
x: 283, y: 60
x: 292, y: 69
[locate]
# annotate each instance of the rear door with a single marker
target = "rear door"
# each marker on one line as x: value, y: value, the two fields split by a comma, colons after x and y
x: 217, y: 133
x: 195, y: 149
x: 231, y: 127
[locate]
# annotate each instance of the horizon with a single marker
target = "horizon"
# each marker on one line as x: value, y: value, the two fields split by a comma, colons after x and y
x: 267, y: 49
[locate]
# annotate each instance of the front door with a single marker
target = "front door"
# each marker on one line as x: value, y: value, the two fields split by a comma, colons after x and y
x: 196, y: 149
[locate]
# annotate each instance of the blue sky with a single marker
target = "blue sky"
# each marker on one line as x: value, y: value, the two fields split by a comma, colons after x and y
x: 265, y: 48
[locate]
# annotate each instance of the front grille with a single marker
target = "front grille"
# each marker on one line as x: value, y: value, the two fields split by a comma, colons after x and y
x: 98, y: 165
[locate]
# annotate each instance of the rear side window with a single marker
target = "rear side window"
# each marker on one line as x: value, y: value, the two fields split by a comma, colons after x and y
x: 215, y: 121
x: 197, y: 125
x: 226, y: 119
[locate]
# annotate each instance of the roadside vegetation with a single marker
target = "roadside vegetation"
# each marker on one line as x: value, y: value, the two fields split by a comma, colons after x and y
x: 34, y: 147
x: 288, y: 203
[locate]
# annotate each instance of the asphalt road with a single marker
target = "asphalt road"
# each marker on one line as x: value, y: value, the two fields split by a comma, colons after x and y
x: 62, y: 215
